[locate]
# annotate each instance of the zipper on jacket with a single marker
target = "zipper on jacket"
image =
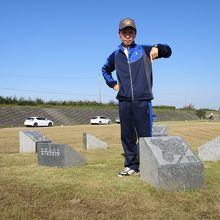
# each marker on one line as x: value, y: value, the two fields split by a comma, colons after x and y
x: 129, y: 67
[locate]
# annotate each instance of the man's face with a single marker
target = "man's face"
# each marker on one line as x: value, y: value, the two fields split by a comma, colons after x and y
x: 127, y: 36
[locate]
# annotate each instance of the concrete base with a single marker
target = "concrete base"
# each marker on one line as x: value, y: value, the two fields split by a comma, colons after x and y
x: 28, y: 141
x: 91, y: 142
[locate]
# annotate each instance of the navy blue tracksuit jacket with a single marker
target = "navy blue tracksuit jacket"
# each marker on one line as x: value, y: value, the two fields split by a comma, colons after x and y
x: 134, y: 75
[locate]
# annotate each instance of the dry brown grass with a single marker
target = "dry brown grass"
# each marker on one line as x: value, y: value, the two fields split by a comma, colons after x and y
x: 93, y: 191
x: 71, y: 135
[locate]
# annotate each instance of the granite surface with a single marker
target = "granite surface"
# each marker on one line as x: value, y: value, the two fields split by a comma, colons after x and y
x: 210, y: 151
x: 58, y: 155
x: 169, y: 163
x: 159, y: 130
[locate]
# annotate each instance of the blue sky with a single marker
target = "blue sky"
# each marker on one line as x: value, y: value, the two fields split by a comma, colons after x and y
x: 54, y: 49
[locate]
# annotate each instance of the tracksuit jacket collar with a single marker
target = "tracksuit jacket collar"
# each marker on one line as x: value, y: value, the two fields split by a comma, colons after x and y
x: 121, y: 47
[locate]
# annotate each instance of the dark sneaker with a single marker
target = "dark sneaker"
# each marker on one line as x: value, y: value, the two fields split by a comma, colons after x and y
x: 127, y: 172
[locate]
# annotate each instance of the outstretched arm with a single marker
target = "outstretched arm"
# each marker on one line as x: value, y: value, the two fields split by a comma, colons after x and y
x: 158, y: 51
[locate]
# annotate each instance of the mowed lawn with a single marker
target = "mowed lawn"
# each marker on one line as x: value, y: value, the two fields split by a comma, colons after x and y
x: 93, y: 191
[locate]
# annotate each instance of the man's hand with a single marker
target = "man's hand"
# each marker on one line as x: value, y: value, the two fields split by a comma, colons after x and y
x: 153, y: 53
x: 116, y: 87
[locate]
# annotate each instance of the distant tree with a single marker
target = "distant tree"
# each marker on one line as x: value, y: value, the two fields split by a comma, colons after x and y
x: 164, y: 107
x: 189, y: 107
x: 113, y: 103
x: 201, y: 113
x: 39, y: 101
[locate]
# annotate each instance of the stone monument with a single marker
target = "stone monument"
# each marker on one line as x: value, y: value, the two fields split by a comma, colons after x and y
x: 28, y: 141
x: 210, y: 151
x: 169, y: 164
x: 91, y: 142
x: 58, y: 155
x: 159, y: 130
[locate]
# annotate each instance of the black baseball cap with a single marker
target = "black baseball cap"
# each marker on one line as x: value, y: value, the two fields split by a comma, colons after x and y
x: 127, y: 22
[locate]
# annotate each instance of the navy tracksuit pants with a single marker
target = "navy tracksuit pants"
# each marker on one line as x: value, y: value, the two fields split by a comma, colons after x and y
x: 136, y: 121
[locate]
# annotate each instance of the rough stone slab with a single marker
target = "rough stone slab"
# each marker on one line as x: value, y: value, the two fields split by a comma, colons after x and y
x: 210, y: 151
x: 28, y: 141
x: 91, y: 142
x: 168, y: 163
x: 159, y: 130
x: 58, y: 155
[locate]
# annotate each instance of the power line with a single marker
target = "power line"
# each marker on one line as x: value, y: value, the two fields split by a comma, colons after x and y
x: 49, y: 77
x: 49, y: 92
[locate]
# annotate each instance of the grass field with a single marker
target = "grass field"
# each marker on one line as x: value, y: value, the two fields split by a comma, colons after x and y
x: 93, y: 191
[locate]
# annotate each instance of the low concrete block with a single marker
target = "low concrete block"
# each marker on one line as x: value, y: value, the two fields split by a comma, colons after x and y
x: 210, y: 151
x: 58, y: 155
x: 169, y: 164
x: 91, y: 142
x: 159, y: 130
x: 28, y: 141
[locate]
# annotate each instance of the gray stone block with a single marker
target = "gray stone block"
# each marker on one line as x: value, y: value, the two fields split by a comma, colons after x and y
x: 58, y: 155
x: 28, y: 141
x: 210, y: 151
x: 168, y: 163
x: 91, y: 142
x: 159, y: 130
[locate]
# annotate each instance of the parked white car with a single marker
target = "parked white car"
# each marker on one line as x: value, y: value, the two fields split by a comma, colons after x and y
x: 37, y: 122
x: 117, y: 120
x: 100, y: 120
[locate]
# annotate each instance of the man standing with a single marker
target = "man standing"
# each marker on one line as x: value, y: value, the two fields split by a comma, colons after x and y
x: 133, y: 65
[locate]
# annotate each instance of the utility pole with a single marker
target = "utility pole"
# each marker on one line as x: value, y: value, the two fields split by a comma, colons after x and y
x: 185, y: 100
x: 100, y: 95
